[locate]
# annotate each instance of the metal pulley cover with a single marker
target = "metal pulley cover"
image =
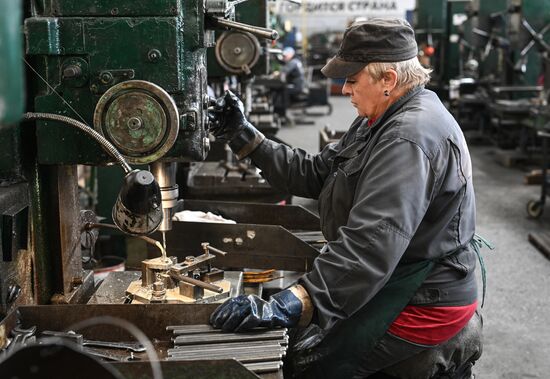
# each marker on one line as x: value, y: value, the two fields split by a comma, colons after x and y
x: 139, y: 118
x: 237, y: 52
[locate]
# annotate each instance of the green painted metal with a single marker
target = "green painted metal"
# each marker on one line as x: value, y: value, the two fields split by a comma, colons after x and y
x: 11, y: 70
x: 97, y: 8
x: 161, y: 42
x: 43, y: 36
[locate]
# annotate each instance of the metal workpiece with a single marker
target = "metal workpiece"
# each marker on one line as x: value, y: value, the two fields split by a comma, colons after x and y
x: 262, y: 349
x: 264, y: 367
x: 243, y: 357
x: 195, y: 339
x: 207, y: 328
x: 249, y: 245
x: 196, y: 282
x: 193, y: 280
x: 278, y: 345
x: 232, y: 352
x: 211, y: 249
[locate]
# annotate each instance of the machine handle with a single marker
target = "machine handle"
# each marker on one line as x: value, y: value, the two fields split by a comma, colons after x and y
x: 256, y: 30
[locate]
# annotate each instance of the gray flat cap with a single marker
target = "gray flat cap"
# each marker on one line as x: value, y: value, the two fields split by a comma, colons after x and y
x: 375, y: 40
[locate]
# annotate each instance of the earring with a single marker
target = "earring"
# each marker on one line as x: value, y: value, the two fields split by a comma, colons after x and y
x: 386, y: 92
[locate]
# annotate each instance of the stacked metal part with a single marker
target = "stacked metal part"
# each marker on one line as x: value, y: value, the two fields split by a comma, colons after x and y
x: 260, y: 351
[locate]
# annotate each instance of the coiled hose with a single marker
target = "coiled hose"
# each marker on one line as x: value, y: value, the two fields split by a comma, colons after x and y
x: 106, y: 145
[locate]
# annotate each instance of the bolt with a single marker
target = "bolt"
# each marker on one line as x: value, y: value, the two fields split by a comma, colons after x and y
x: 114, y: 11
x: 153, y: 55
x: 14, y: 290
x: 106, y: 77
x: 134, y: 123
x: 197, y: 273
x: 72, y: 71
x: 158, y: 289
x: 190, y: 258
x: 237, y: 50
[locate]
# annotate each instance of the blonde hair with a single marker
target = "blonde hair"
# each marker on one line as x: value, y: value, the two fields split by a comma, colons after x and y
x: 410, y: 73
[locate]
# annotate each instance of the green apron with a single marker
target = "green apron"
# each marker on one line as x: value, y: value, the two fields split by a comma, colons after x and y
x: 341, y: 350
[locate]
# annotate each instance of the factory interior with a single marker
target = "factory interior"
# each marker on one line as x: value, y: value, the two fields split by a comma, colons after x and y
x: 128, y: 217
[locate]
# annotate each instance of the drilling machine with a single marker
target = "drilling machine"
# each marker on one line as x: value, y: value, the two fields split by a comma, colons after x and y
x: 106, y: 82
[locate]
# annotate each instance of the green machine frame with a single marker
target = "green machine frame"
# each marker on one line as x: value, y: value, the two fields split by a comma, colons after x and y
x: 162, y: 42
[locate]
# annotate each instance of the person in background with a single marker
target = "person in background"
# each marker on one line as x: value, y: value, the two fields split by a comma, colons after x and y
x: 293, y: 74
x: 293, y: 88
x: 394, y: 290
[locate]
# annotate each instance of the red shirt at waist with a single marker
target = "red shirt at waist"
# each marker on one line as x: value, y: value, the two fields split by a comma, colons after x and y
x: 431, y: 325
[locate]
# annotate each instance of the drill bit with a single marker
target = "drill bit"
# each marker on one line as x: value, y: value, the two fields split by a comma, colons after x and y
x: 164, y: 245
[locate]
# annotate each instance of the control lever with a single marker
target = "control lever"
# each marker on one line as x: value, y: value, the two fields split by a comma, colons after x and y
x: 256, y: 30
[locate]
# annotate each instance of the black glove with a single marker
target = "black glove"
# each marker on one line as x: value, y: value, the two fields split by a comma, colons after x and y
x: 230, y: 125
x: 243, y: 312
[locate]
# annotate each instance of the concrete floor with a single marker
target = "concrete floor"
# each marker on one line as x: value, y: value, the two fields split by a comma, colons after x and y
x: 517, y: 305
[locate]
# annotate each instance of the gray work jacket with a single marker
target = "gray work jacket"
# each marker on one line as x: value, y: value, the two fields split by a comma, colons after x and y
x: 400, y: 189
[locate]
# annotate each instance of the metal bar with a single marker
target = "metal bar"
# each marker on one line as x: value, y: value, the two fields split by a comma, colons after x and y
x: 241, y: 360
x: 245, y: 360
x: 280, y: 343
x: 198, y: 327
x: 217, y: 251
x: 256, y: 30
x: 206, y: 328
x: 227, y: 337
x: 235, y: 350
x: 198, y: 283
x: 178, y: 332
x: 252, y: 344
x: 262, y: 367
x: 237, y: 354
